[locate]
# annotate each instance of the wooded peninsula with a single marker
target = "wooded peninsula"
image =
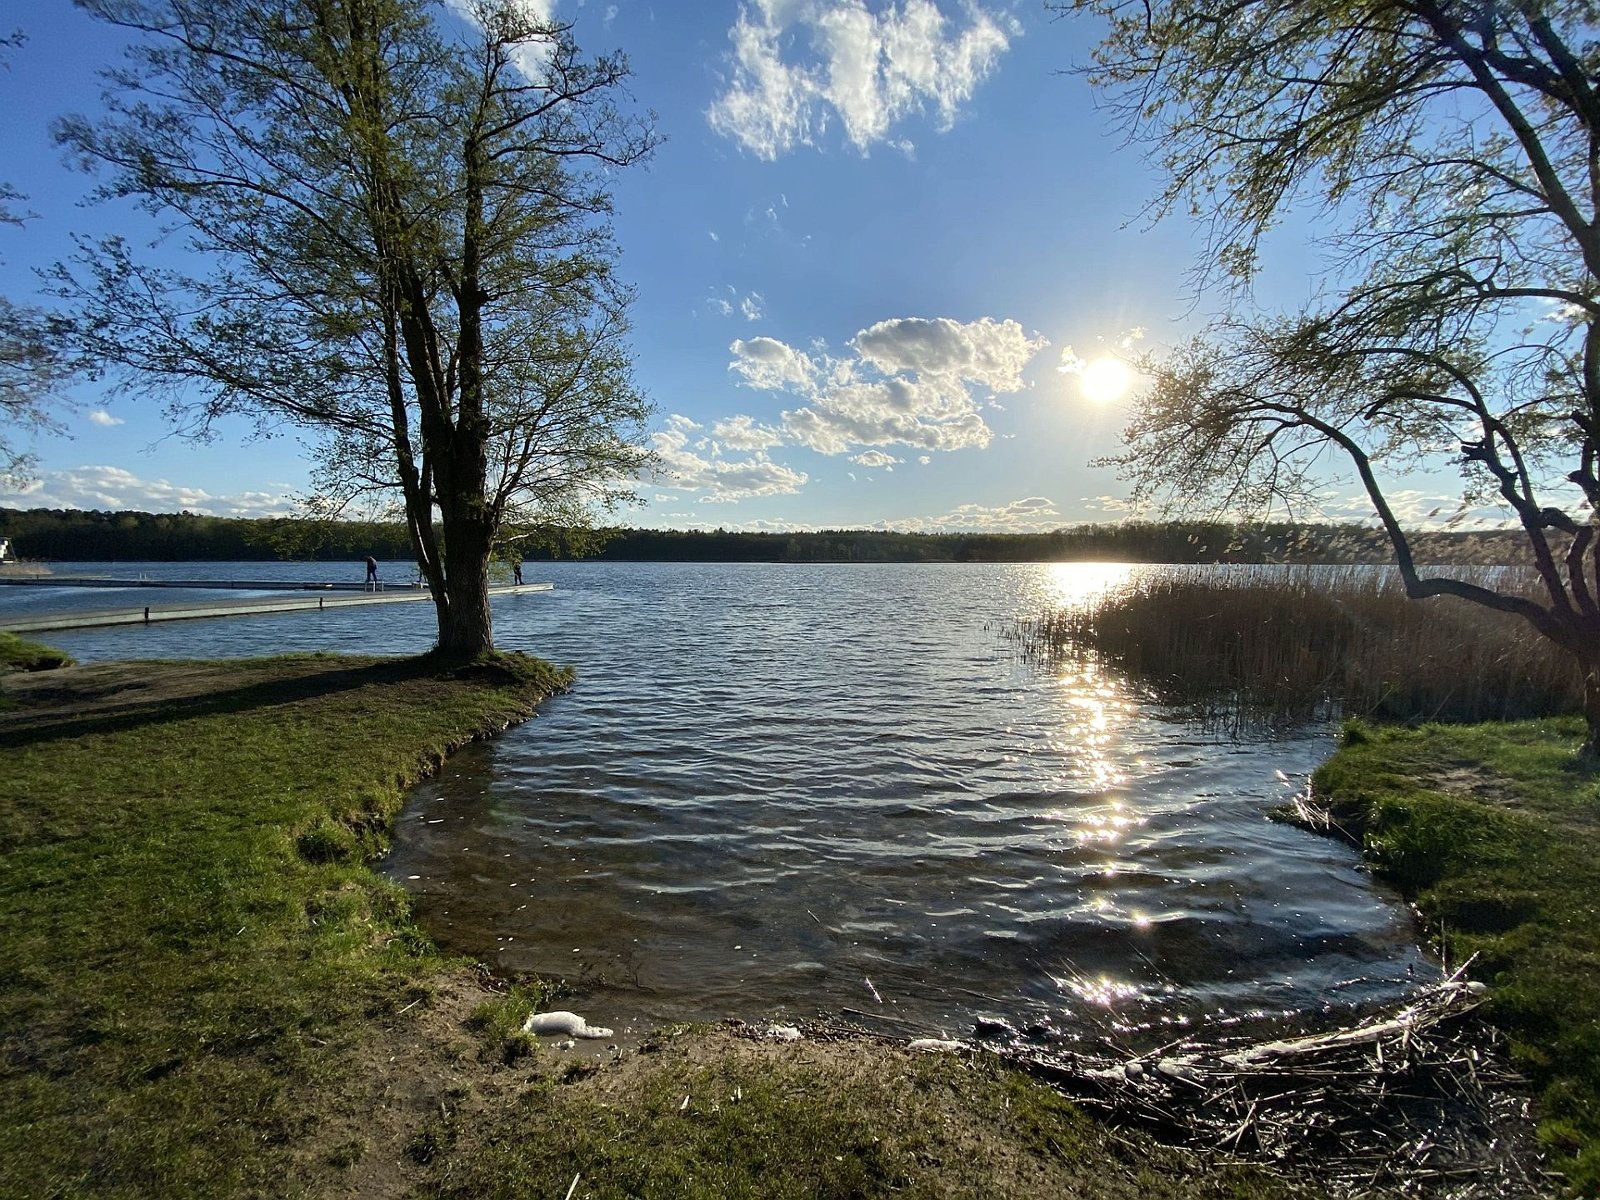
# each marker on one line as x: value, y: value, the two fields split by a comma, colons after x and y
x: 70, y: 535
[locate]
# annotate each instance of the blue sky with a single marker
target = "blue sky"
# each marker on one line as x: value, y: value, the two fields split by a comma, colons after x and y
x: 874, y: 234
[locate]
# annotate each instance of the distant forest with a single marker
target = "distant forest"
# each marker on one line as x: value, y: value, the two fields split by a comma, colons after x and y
x: 69, y: 535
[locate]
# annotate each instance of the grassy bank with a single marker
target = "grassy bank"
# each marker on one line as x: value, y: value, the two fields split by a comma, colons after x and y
x: 18, y: 654
x: 191, y: 941
x: 204, y: 992
x: 709, y: 1114
x: 1307, y: 641
x: 1493, y: 830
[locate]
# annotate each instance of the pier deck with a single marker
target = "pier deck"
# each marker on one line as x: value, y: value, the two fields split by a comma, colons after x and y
x: 201, y: 585
x: 150, y: 613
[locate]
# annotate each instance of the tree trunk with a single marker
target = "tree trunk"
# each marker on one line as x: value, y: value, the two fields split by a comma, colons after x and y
x: 466, y: 630
x: 1589, y: 754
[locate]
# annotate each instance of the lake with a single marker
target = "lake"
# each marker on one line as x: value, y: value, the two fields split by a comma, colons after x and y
x: 791, y: 790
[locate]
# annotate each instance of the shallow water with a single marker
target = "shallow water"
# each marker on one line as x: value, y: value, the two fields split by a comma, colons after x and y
x: 784, y: 790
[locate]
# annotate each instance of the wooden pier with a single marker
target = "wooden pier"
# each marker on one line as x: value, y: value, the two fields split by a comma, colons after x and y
x: 149, y: 614
x: 201, y: 585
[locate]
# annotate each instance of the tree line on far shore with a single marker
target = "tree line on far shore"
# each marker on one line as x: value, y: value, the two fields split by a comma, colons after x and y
x: 69, y: 535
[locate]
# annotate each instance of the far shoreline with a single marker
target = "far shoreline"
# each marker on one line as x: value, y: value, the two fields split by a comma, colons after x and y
x: 94, y: 536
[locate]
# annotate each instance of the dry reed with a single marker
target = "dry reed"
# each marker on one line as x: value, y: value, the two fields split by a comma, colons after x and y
x: 1415, y: 1099
x: 1304, y: 642
x: 1421, y: 1101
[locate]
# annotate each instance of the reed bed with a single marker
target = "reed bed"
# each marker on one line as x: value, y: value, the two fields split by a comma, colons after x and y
x: 1299, y: 643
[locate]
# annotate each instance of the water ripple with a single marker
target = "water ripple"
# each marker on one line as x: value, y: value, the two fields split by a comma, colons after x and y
x: 773, y: 783
x: 784, y: 781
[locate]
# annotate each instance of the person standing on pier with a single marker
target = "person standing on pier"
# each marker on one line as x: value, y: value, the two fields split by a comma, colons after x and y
x: 372, y: 572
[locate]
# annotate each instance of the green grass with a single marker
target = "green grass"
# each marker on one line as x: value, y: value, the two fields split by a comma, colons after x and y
x: 498, y: 1022
x: 1494, y: 830
x: 17, y: 654
x: 709, y: 1116
x: 191, y: 939
x: 200, y: 979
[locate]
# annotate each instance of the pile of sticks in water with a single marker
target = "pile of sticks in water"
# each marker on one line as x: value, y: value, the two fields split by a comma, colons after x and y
x: 1421, y: 1101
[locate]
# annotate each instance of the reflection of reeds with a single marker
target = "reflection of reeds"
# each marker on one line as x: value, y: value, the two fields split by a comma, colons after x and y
x: 1290, y: 643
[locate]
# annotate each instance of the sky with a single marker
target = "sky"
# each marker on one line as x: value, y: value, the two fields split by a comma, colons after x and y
x: 882, y: 259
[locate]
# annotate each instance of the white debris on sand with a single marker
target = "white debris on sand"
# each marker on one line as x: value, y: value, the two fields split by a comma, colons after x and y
x: 941, y: 1045
x: 568, y: 1023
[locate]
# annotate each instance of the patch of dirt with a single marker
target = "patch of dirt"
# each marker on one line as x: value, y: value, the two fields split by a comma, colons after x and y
x: 413, y: 1074
x: 1477, y: 781
x: 967, y: 1151
x: 426, y: 1091
x: 116, y: 689
x: 104, y: 696
x: 1488, y: 787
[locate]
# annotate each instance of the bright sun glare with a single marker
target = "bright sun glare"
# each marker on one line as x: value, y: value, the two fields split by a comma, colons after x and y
x: 1106, y: 379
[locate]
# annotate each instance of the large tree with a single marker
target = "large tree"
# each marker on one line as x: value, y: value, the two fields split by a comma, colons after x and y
x: 33, y: 362
x: 393, y: 223
x: 1450, y: 152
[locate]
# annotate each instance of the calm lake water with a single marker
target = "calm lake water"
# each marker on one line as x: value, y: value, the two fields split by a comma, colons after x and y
x: 791, y: 790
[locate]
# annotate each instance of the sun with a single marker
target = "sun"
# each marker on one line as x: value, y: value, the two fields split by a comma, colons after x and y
x: 1106, y: 379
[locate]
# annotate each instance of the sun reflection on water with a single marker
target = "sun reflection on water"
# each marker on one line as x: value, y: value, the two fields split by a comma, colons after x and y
x: 1101, y: 991
x: 1093, y: 709
x: 1107, y: 824
x: 1073, y: 584
x: 1103, y: 813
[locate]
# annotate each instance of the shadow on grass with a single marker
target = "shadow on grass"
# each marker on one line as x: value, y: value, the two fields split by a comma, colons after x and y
x: 168, y: 692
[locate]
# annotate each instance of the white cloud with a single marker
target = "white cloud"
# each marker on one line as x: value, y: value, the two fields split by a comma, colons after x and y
x: 114, y: 489
x: 1108, y: 503
x: 1073, y: 363
x: 101, y: 417
x: 768, y: 364
x: 867, y: 70
x: 987, y: 352
x: 727, y: 301
x: 876, y: 459
x: 911, y: 382
x: 767, y: 222
x: 1416, y: 510
x: 690, y: 462
x: 694, y: 521
x: 532, y: 57
x: 924, y: 459
x: 842, y: 422
x: 1420, y: 510
x: 742, y: 433
x: 1032, y: 514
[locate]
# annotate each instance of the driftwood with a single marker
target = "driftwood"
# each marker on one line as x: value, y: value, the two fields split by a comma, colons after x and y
x: 1422, y: 1102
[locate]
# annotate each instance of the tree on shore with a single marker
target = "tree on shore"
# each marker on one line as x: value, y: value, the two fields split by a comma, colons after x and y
x: 1449, y: 150
x: 397, y: 239
x: 33, y: 364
